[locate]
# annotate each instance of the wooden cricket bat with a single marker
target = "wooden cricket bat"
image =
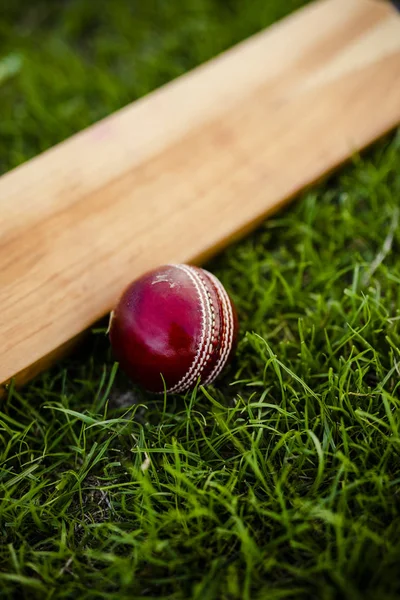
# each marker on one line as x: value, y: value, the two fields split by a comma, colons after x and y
x: 178, y: 175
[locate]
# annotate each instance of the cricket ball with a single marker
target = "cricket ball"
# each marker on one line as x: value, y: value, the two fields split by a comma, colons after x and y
x: 176, y: 325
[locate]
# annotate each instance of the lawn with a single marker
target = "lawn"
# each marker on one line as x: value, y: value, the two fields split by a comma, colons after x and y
x: 281, y: 480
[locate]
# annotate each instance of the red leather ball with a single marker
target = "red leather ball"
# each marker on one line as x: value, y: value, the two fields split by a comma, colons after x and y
x: 177, y: 324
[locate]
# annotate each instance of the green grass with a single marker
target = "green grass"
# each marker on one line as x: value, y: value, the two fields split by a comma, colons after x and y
x: 282, y: 480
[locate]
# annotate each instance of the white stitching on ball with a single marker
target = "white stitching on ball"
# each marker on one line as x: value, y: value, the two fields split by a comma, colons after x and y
x: 227, y: 334
x: 207, y: 331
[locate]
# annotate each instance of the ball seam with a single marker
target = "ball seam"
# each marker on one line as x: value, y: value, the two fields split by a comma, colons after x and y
x: 207, y: 320
x: 228, y: 329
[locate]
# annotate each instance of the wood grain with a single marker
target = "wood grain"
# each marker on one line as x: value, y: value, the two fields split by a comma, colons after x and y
x: 181, y: 173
